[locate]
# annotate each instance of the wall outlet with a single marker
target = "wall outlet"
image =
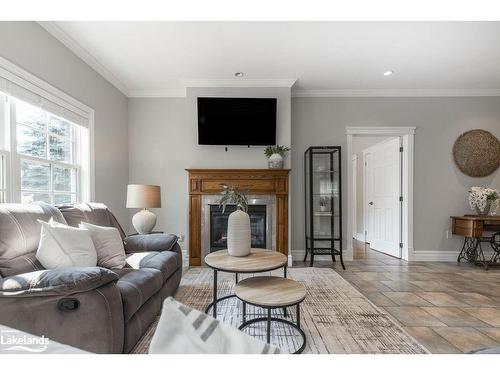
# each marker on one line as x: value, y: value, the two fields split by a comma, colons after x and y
x: 448, y: 234
x: 180, y: 238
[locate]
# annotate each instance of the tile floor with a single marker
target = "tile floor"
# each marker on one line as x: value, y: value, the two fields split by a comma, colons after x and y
x: 447, y: 307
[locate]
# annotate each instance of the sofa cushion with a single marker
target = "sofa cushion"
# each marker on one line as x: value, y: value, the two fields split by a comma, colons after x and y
x: 166, y: 261
x: 108, y: 245
x: 137, y: 287
x: 20, y: 234
x: 138, y: 243
x: 56, y: 282
x: 93, y: 213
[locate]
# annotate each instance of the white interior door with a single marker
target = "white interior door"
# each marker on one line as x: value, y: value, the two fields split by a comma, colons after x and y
x: 383, y: 174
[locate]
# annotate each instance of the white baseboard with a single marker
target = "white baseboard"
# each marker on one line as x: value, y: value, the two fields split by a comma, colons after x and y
x: 298, y: 256
x: 440, y: 256
x: 435, y: 256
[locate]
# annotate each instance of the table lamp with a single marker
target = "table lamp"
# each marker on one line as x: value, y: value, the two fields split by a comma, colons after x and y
x: 143, y: 197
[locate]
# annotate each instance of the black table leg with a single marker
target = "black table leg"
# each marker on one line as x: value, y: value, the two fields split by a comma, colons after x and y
x: 298, y: 315
x: 268, y: 338
x: 244, y: 312
x: 284, y: 308
x: 214, y: 303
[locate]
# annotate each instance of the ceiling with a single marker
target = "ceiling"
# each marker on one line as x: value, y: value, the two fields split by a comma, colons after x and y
x: 318, y: 58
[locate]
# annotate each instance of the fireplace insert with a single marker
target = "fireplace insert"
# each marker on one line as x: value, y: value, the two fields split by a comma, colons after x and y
x: 218, y: 226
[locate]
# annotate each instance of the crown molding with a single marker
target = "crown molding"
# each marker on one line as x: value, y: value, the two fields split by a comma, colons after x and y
x: 52, y: 28
x: 239, y: 82
x: 158, y: 93
x: 388, y: 93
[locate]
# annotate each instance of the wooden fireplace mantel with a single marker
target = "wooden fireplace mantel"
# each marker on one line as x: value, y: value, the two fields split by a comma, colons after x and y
x: 255, y: 181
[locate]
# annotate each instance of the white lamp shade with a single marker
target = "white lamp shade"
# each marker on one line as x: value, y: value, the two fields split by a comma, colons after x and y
x: 143, y: 196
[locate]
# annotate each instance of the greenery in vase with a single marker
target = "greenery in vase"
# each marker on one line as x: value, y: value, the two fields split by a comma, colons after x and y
x: 276, y: 149
x: 231, y: 195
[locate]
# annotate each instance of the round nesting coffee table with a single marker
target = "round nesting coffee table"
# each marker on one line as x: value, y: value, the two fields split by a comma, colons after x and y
x: 271, y: 292
x: 259, y: 260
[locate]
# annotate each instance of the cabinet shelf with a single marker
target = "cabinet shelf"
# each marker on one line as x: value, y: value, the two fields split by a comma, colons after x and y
x: 323, y: 213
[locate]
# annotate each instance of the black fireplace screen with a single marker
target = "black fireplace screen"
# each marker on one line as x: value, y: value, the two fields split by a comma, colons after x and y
x: 218, y: 226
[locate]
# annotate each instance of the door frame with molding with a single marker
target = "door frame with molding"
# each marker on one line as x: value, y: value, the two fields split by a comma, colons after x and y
x: 408, y: 141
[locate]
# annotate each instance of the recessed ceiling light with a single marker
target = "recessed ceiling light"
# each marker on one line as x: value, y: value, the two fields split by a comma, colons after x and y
x: 388, y: 73
x: 239, y: 74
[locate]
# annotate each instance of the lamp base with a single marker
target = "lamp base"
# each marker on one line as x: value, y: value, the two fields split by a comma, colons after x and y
x: 144, y: 221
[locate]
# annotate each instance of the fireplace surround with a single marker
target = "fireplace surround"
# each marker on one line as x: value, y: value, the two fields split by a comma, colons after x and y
x: 262, y: 212
x: 265, y: 187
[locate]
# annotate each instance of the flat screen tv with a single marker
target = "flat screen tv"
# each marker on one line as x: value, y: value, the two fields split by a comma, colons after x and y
x: 237, y: 121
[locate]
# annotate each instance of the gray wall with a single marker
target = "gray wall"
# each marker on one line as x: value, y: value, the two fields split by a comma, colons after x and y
x: 440, y: 188
x: 32, y: 48
x: 163, y: 142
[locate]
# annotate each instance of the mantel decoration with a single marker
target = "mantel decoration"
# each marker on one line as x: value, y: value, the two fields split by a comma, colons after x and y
x: 275, y: 155
x: 477, y: 153
x: 484, y: 201
x: 239, y: 241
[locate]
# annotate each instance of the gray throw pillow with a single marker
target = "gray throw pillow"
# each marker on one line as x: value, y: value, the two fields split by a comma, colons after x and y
x: 108, y: 245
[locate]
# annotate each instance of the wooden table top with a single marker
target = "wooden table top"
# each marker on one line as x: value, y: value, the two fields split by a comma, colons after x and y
x: 270, y: 291
x: 477, y: 217
x: 259, y: 260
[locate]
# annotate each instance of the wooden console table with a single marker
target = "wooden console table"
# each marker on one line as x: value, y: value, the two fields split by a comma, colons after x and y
x: 473, y: 229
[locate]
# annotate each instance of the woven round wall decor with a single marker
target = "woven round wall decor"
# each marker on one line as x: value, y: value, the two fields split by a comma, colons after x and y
x: 477, y: 153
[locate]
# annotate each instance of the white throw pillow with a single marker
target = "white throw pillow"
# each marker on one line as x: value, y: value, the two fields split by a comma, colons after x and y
x: 63, y: 246
x: 108, y: 244
x: 195, y: 332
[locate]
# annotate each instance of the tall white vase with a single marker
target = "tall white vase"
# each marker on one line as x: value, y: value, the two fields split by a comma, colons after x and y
x: 238, y: 234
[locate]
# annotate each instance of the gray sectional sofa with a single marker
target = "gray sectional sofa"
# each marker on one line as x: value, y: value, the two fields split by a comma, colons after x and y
x: 92, y: 308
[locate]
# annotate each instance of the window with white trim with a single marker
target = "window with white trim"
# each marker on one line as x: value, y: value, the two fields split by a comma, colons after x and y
x: 3, y: 177
x: 42, y: 155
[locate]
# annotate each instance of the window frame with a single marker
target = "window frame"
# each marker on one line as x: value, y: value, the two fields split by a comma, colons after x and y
x: 18, y: 158
x: 4, y: 176
x: 84, y: 158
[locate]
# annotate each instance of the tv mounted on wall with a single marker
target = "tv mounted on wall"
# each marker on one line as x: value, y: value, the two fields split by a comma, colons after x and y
x: 237, y: 121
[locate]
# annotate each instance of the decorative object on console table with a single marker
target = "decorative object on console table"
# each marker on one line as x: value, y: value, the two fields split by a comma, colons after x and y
x: 477, y: 153
x: 484, y: 201
x: 275, y: 155
x: 143, y: 197
x: 473, y: 228
x: 323, y: 197
x: 239, y: 238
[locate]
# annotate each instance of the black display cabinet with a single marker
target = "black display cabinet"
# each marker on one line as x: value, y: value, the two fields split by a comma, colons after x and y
x: 323, y: 202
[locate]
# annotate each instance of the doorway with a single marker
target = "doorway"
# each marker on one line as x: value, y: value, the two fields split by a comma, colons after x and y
x: 382, y: 200
x: 384, y: 204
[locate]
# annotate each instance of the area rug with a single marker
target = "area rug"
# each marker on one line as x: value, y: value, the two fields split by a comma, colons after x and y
x: 335, y: 317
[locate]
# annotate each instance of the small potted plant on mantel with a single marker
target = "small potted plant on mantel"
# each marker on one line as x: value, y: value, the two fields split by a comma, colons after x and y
x: 275, y: 155
x: 239, y: 241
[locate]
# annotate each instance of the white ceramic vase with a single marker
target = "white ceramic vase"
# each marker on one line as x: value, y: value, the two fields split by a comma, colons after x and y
x: 144, y: 221
x: 238, y: 234
x: 275, y: 161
